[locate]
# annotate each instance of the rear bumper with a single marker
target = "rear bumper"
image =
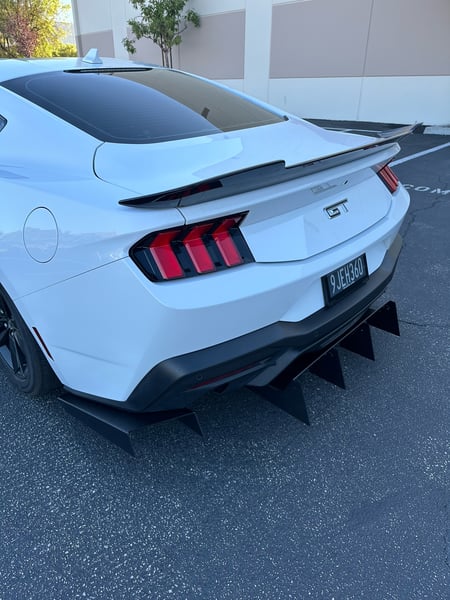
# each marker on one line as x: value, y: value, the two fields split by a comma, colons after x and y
x: 256, y: 358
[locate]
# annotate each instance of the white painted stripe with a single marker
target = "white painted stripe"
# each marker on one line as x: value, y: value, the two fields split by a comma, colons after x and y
x: 437, y: 130
x: 407, y: 158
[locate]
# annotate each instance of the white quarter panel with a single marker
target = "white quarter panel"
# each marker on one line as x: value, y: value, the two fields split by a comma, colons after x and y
x: 92, y: 230
x: 40, y: 235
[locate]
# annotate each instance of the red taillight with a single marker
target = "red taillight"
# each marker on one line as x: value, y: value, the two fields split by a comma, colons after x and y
x: 196, y: 249
x: 164, y: 256
x: 389, y: 178
x: 193, y: 250
x: 224, y: 242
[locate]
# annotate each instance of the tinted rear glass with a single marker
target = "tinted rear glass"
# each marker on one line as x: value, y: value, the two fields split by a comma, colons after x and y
x: 140, y: 106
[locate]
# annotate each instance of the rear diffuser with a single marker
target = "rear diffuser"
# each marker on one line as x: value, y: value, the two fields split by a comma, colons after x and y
x: 284, y: 391
x: 118, y: 425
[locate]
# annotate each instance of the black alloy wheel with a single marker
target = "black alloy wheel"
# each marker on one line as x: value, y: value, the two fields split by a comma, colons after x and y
x: 22, y: 358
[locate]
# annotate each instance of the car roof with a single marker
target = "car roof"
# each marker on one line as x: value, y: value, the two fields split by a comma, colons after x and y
x: 10, y: 68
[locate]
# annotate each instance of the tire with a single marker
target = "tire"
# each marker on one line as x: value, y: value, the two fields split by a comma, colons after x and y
x: 20, y: 355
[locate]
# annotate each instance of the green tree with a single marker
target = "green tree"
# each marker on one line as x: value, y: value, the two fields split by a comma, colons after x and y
x: 163, y: 22
x: 65, y: 50
x: 29, y: 27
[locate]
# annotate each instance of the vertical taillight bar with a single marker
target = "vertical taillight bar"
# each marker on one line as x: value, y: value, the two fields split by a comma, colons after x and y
x: 389, y: 178
x: 225, y: 243
x: 196, y: 249
x: 164, y: 256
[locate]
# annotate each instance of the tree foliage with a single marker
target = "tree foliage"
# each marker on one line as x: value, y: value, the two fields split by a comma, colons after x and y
x: 29, y: 27
x: 163, y: 22
x: 65, y: 50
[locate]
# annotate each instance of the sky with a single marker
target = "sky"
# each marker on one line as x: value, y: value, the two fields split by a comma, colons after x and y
x: 67, y: 15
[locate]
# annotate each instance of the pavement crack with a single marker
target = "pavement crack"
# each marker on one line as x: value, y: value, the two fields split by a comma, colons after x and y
x: 417, y: 324
x: 447, y: 537
x: 413, y: 214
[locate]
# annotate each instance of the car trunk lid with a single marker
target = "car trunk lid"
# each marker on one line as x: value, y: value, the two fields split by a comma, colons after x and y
x: 293, y: 179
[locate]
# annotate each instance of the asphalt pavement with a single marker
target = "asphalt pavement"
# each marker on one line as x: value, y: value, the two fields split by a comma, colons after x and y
x: 354, y: 507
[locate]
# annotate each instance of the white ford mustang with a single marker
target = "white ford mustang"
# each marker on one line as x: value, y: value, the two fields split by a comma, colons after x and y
x: 162, y: 235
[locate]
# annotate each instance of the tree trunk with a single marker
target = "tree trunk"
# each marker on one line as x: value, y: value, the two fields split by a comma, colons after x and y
x: 166, y: 61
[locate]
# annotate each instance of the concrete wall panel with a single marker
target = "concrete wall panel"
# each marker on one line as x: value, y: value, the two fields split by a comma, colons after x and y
x: 216, y: 49
x: 406, y: 100
x: 409, y: 37
x: 211, y: 7
x: 146, y: 51
x: 103, y: 40
x: 322, y: 38
x: 315, y: 97
x: 92, y: 16
x: 258, y: 24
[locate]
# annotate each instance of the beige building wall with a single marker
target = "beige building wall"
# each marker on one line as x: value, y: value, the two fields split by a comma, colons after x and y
x: 376, y: 60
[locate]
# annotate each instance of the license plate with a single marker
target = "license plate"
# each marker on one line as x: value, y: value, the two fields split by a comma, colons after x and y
x: 340, y: 280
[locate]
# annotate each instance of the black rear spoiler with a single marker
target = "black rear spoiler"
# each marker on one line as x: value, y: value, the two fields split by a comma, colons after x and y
x: 254, y: 178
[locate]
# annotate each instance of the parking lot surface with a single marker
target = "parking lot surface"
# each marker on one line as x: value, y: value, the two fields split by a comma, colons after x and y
x: 356, y: 506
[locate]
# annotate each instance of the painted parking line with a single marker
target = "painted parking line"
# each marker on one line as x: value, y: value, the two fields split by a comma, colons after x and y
x: 418, y: 154
x: 426, y: 189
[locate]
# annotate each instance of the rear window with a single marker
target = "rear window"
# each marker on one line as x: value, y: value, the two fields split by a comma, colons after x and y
x: 140, y: 106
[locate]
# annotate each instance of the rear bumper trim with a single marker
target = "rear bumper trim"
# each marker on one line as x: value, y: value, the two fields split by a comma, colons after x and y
x: 255, y: 358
